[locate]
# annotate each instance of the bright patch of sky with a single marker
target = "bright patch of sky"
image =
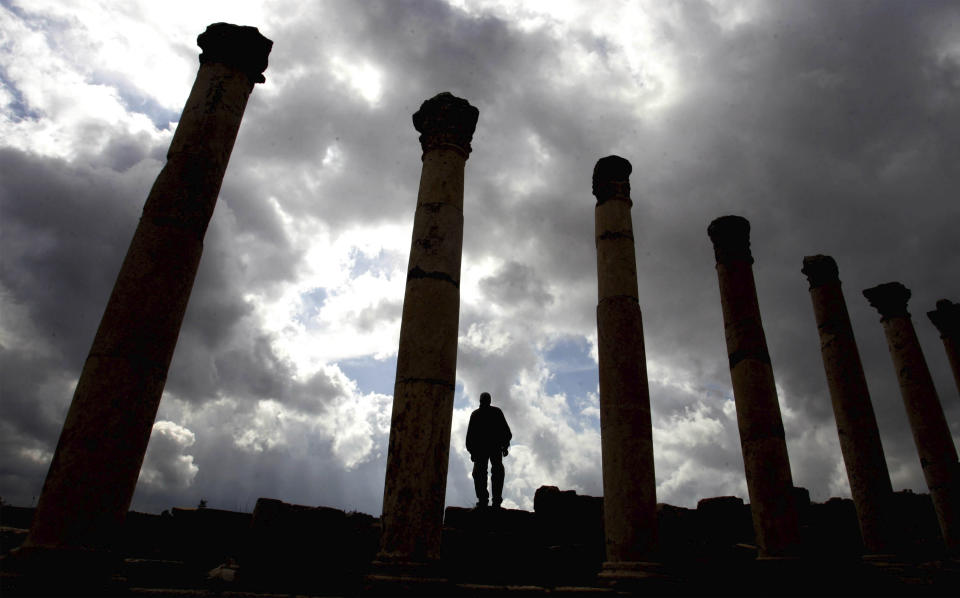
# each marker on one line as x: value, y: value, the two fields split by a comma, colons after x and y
x: 99, y: 84
x: 572, y: 368
x: 346, y: 303
x: 371, y: 374
x: 633, y: 39
x: 363, y: 77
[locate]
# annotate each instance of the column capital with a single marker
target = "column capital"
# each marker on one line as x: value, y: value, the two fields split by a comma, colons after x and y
x: 946, y: 318
x: 820, y: 270
x: 238, y: 46
x: 446, y: 121
x: 731, y: 239
x: 890, y: 299
x: 611, y: 179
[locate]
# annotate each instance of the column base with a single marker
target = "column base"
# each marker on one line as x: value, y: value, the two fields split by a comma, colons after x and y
x: 395, y: 577
x: 628, y: 575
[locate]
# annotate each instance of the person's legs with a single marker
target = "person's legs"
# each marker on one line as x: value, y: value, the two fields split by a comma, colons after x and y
x: 480, y: 479
x: 496, y: 477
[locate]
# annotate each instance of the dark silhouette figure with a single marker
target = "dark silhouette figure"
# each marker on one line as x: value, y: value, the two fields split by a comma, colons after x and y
x: 488, y: 437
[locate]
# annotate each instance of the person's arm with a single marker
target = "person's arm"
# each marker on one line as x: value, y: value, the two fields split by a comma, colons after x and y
x: 506, y: 435
x: 471, y: 435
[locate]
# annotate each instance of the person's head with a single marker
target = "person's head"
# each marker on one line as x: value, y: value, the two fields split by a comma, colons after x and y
x: 485, y: 399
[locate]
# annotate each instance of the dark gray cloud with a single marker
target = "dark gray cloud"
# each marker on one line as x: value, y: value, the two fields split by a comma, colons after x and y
x: 514, y: 285
x: 832, y: 127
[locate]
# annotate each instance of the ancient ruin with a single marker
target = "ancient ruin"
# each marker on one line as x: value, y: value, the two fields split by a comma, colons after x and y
x: 931, y: 434
x: 856, y: 422
x: 416, y: 478
x: 762, y: 440
x: 94, y: 471
x: 81, y: 529
x: 629, y: 484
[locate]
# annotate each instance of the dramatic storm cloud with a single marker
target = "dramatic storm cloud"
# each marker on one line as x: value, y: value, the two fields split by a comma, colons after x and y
x: 832, y: 127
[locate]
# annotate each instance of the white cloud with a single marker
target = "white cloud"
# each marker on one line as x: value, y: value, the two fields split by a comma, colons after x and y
x: 304, y: 265
x: 165, y: 464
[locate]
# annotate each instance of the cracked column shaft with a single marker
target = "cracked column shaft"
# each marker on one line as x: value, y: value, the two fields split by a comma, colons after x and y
x: 762, y: 441
x: 629, y: 484
x: 416, y: 477
x: 852, y: 409
x: 931, y: 434
x: 94, y: 471
x: 947, y: 320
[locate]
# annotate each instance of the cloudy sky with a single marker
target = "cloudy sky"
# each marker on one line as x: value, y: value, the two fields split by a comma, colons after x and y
x: 831, y: 126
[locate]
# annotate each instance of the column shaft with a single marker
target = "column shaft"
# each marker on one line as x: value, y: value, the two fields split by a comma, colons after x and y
x: 852, y: 408
x: 947, y: 320
x: 629, y: 483
x: 94, y: 471
x: 416, y: 477
x: 762, y: 440
x: 931, y: 434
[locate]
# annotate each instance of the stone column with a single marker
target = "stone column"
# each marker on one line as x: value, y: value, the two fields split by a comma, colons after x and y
x: 947, y: 320
x: 931, y: 434
x: 97, y: 461
x: 856, y: 423
x: 416, y: 477
x: 762, y: 441
x: 629, y: 484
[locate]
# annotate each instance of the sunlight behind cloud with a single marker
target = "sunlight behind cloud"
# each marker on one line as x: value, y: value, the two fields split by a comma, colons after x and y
x: 287, y: 356
x: 365, y: 78
x: 346, y: 302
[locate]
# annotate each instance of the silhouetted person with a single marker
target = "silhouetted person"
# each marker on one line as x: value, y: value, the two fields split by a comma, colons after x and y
x: 488, y: 437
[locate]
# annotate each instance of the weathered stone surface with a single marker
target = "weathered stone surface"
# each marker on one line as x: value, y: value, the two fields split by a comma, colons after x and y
x: 724, y: 521
x: 311, y: 549
x: 208, y: 537
x: 852, y: 408
x: 918, y: 526
x: 420, y: 445
x: 947, y: 320
x: 831, y: 529
x: 242, y: 48
x: 431, y: 312
x: 571, y: 527
x: 446, y: 121
x: 931, y: 434
x: 629, y: 484
x: 762, y: 441
x: 293, y: 549
x: 416, y: 477
x: 95, y: 467
x: 565, y: 517
x: 491, y: 546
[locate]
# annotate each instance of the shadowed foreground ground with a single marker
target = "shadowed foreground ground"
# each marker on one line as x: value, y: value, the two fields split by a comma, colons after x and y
x: 283, y: 549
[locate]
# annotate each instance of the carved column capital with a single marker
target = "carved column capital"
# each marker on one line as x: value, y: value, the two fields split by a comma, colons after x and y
x: 611, y: 179
x: 946, y: 318
x: 446, y: 121
x: 820, y: 270
x: 241, y: 47
x: 890, y: 299
x: 731, y: 239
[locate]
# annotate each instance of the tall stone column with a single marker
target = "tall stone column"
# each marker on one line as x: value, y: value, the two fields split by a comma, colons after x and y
x: 947, y: 320
x: 629, y: 484
x: 931, y: 434
x: 762, y: 440
x: 416, y: 478
x: 94, y: 471
x: 852, y: 409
